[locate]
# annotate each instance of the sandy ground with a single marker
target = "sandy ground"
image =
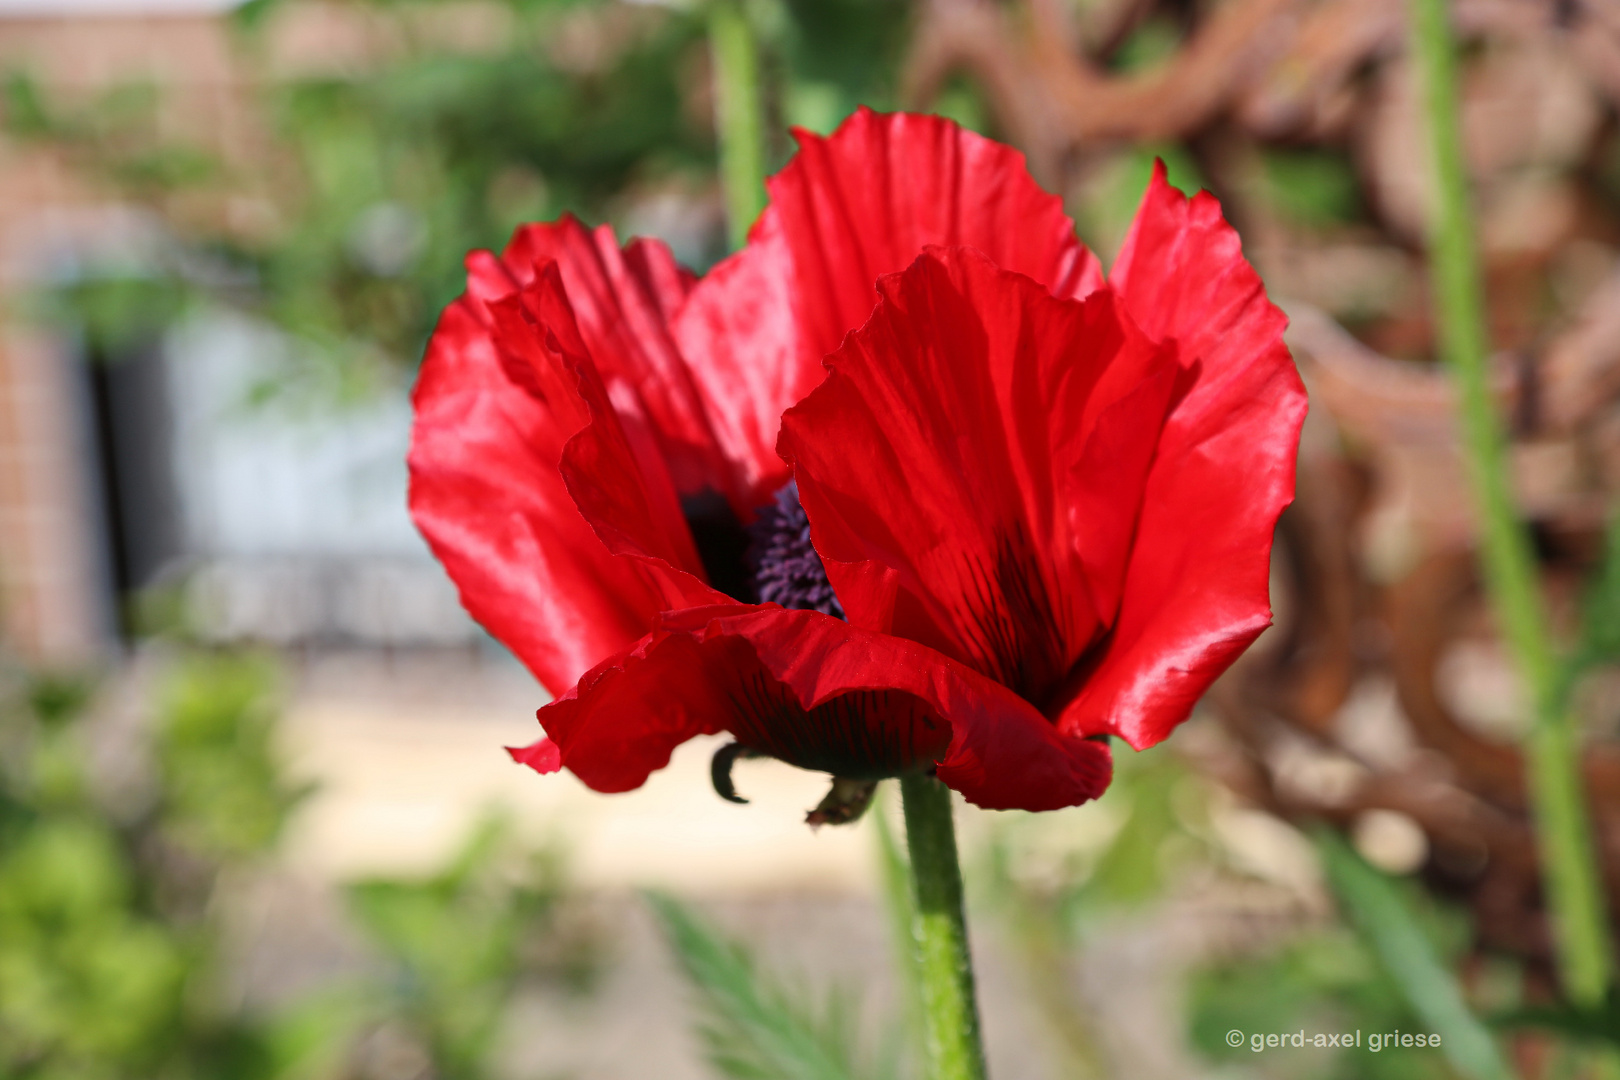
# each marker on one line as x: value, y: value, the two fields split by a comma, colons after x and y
x: 407, y: 752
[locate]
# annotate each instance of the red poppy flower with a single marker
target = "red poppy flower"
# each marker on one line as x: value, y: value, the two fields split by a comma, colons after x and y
x: 594, y: 462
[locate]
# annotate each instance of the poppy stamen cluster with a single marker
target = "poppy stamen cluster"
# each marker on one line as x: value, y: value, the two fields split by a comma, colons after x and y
x: 786, y: 569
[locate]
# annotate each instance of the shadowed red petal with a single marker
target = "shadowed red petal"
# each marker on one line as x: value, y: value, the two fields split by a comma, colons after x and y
x: 525, y: 481
x: 611, y: 463
x: 819, y: 693
x: 848, y: 209
x: 737, y: 332
x: 622, y: 302
x: 1196, y: 592
x: 486, y: 493
x: 973, y: 465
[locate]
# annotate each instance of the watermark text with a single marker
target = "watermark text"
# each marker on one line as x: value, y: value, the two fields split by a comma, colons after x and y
x: 1375, y: 1041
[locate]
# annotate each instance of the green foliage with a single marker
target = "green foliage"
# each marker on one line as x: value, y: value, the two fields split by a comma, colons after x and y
x: 386, y: 175
x: 1388, y: 969
x: 1600, y: 1025
x: 1312, y: 187
x: 115, y: 312
x: 1326, y: 981
x: 106, y: 950
x: 408, y: 166
x: 1384, y: 915
x: 109, y: 935
x: 756, y: 1030
x: 221, y: 784
x: 1155, y: 41
x: 456, y: 945
x: 833, y: 55
x: 117, y: 134
x: 1600, y: 607
x: 1037, y: 864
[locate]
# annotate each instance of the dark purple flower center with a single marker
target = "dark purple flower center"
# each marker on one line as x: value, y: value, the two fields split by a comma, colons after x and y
x: 784, y: 564
x: 770, y: 561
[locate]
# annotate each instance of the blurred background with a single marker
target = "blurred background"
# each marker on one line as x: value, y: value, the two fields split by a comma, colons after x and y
x: 255, y: 819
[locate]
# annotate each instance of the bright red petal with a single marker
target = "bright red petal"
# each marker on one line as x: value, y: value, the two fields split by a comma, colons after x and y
x: 1196, y: 592
x: 543, y: 756
x: 818, y: 693
x: 866, y: 200
x: 487, y: 495
x: 848, y: 209
x: 973, y: 466
x: 623, y: 302
x: 528, y: 483
x: 737, y: 331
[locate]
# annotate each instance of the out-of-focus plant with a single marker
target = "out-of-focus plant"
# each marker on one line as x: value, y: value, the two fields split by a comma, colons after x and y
x: 111, y: 951
x: 453, y: 948
x: 1561, y: 814
x: 1386, y: 965
x: 755, y: 1029
x: 1325, y: 981
x: 109, y: 958
x: 1391, y: 928
x: 1051, y: 889
x: 350, y: 234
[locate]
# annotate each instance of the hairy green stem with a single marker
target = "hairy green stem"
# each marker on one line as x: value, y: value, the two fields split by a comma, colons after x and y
x: 738, y: 115
x: 939, y: 930
x: 1563, y: 829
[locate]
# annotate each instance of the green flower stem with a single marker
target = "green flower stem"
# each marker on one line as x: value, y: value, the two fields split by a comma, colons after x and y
x: 939, y: 929
x: 739, y: 121
x: 1563, y: 830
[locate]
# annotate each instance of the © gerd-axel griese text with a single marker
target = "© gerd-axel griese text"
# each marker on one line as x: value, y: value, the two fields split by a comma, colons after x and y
x: 1373, y: 1040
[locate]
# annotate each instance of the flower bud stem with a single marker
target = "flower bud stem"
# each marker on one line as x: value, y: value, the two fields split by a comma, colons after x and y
x: 939, y: 932
x: 738, y: 114
x: 1563, y: 829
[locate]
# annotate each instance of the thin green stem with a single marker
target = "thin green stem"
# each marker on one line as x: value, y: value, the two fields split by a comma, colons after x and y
x: 1563, y: 830
x: 939, y: 929
x: 738, y: 116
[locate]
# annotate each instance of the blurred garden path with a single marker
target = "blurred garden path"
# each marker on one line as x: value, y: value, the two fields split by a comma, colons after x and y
x: 406, y: 750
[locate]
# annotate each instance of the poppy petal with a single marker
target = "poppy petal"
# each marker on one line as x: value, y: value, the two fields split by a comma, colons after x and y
x: 848, y: 209
x: 487, y: 495
x: 622, y: 301
x: 972, y: 467
x: 1196, y: 591
x: 527, y: 481
x: 738, y: 334
x: 864, y: 202
x: 820, y: 694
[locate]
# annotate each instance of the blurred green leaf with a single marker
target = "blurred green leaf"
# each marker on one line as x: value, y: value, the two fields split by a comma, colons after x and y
x: 1586, y: 1025
x: 1312, y: 187
x: 457, y: 943
x: 1600, y: 606
x: 895, y: 872
x: 223, y: 791
x: 1376, y: 907
x: 755, y: 1030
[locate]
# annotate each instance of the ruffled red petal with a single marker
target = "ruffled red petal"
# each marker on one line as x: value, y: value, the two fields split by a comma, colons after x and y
x: 848, y: 209
x: 1196, y: 591
x: 819, y: 693
x: 527, y: 481
x: 487, y: 495
x: 623, y: 302
x: 865, y: 201
x: 974, y: 463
